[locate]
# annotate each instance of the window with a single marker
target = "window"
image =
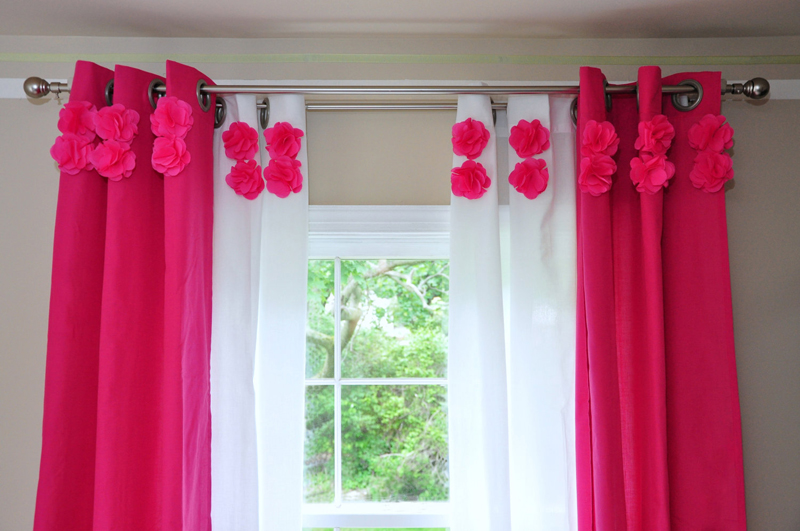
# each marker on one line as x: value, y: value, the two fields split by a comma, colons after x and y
x: 376, y: 386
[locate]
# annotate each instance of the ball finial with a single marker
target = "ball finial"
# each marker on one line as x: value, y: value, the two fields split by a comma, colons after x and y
x: 757, y: 88
x: 36, y: 87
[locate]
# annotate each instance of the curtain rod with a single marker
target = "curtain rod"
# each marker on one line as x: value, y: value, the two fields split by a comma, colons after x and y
x: 756, y: 88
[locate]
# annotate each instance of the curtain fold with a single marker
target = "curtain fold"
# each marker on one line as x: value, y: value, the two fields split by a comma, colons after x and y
x: 66, y: 472
x: 477, y: 411
x: 542, y: 314
x: 659, y: 436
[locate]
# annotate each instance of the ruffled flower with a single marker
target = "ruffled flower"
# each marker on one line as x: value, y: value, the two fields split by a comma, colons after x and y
x: 469, y: 180
x: 113, y: 159
x: 596, y: 172
x: 241, y: 141
x: 283, y: 176
x: 650, y: 172
x: 170, y: 155
x: 711, y: 171
x: 599, y: 137
x: 116, y: 123
x: 77, y: 118
x: 529, y: 138
x: 71, y: 152
x: 245, y: 178
x: 283, y: 140
x: 470, y: 137
x: 712, y: 133
x: 172, y: 117
x: 655, y: 135
x: 530, y: 177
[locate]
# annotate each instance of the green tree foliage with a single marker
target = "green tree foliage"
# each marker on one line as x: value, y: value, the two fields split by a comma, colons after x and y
x: 393, y: 324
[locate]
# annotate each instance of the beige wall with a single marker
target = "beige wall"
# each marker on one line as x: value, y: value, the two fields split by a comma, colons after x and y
x: 383, y: 158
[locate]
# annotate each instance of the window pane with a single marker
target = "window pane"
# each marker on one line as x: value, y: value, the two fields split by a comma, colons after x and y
x: 394, y: 443
x: 319, y: 335
x: 394, y: 315
x: 319, y: 447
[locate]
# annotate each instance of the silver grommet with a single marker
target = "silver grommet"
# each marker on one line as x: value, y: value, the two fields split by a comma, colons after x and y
x: 608, y: 96
x: 152, y: 94
x: 203, y: 98
x: 263, y: 113
x: 693, y: 103
x: 110, y: 93
x: 220, y: 113
x: 573, y: 111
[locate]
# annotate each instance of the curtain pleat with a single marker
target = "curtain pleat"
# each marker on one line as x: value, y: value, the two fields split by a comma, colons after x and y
x: 478, y: 422
x: 66, y: 472
x: 129, y: 471
x: 237, y: 244
x: 188, y: 240
x: 542, y: 329
x: 281, y: 342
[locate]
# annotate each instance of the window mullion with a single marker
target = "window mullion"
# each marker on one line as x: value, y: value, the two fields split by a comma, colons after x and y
x: 337, y: 377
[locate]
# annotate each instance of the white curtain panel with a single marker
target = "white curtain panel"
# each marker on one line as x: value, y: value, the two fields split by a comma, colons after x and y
x: 281, y: 343
x: 237, y: 242
x: 541, y: 372
x: 479, y: 487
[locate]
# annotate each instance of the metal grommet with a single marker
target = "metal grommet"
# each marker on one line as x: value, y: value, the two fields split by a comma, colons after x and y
x: 203, y: 98
x: 220, y: 113
x: 263, y: 113
x: 676, y: 102
x: 110, y: 92
x: 608, y: 96
x: 152, y: 95
x: 573, y: 111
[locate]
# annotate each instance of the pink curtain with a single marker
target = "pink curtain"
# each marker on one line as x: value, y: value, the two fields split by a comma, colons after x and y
x: 126, y: 436
x: 658, y: 425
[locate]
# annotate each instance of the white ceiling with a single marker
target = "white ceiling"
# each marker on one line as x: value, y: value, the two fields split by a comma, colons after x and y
x: 507, y: 18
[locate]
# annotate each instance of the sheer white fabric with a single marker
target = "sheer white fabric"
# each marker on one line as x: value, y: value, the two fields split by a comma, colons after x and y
x: 478, y: 438
x: 541, y: 370
x: 237, y: 242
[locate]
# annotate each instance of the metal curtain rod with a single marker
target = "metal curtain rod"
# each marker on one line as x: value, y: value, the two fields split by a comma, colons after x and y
x: 756, y: 88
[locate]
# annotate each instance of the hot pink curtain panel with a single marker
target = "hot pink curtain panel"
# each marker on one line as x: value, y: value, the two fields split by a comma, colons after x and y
x: 127, y: 431
x: 658, y: 425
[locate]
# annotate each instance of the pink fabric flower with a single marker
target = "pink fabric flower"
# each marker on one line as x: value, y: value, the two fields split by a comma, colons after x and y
x: 172, y: 117
x: 599, y: 137
x: 469, y: 138
x: 283, y: 139
x: 116, y: 123
x: 245, y: 178
x: 650, y: 173
x: 77, y: 117
x: 529, y: 138
x: 596, y: 172
x: 170, y: 155
x: 712, y: 133
x: 711, y: 171
x: 469, y: 180
x: 655, y: 135
x: 71, y: 152
x: 241, y: 141
x: 283, y: 176
x: 113, y: 159
x: 530, y: 177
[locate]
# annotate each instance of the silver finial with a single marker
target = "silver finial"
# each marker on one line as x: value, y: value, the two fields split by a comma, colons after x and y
x: 757, y: 88
x: 36, y: 87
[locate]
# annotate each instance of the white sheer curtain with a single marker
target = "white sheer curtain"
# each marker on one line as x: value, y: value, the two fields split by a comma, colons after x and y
x: 512, y: 457
x: 258, y: 340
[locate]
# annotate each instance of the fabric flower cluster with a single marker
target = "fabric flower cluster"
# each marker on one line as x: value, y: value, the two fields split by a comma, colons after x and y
x: 711, y: 136
x: 651, y: 171
x: 171, y: 122
x: 241, y: 145
x: 81, y: 124
x: 598, y: 144
x: 283, y: 173
x: 470, y: 180
x: 531, y: 175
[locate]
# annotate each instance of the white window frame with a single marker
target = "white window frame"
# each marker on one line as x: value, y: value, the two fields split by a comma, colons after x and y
x: 368, y: 232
